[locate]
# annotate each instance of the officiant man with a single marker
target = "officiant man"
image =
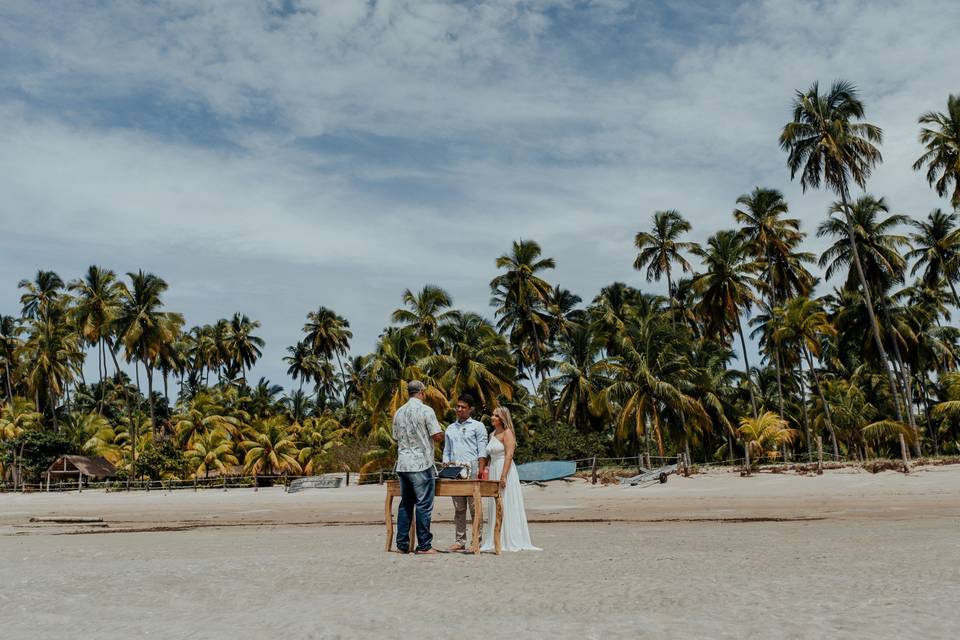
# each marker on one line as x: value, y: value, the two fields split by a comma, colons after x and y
x: 465, y: 441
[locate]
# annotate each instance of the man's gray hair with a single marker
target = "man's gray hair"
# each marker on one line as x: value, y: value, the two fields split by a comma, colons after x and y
x: 415, y: 386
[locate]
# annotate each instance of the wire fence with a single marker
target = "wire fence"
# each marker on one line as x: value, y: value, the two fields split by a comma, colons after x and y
x: 595, y: 465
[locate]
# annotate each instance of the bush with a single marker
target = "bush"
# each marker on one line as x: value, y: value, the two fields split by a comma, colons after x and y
x: 37, y: 451
x: 160, y: 460
x: 564, y: 443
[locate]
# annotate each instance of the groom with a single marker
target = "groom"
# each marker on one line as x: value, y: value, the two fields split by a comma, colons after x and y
x: 465, y: 441
x: 415, y: 428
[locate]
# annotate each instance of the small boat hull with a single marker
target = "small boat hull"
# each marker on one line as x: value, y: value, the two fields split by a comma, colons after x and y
x: 546, y: 471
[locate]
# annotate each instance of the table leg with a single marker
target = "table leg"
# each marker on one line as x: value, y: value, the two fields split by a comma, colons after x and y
x: 477, y: 518
x: 388, y: 520
x: 499, y: 525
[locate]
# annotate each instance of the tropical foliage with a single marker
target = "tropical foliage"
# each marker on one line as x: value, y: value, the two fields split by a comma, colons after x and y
x: 860, y: 353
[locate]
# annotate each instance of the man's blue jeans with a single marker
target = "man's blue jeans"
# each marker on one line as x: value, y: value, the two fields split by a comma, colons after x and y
x: 416, y: 491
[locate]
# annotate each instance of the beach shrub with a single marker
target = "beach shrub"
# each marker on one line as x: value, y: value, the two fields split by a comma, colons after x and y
x: 162, y: 460
x: 566, y: 443
x: 36, y: 451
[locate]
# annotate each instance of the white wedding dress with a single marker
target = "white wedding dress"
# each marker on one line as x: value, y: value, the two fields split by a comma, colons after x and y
x: 514, y: 534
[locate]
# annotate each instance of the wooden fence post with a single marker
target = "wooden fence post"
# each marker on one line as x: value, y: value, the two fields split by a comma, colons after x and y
x: 593, y: 470
x: 348, y: 477
x: 194, y: 482
x: 224, y: 478
x: 746, y: 459
x: 903, y: 453
x: 819, y: 455
x: 381, y: 477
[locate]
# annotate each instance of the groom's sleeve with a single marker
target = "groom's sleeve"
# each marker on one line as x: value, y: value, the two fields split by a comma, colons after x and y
x: 446, y: 445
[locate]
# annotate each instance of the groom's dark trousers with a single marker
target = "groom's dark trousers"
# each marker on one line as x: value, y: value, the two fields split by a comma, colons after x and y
x: 416, y: 491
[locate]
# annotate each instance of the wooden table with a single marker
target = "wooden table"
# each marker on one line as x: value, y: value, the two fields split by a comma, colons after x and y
x: 476, y: 489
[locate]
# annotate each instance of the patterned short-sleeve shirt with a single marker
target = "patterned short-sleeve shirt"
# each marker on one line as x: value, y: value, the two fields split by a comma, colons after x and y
x: 413, y: 424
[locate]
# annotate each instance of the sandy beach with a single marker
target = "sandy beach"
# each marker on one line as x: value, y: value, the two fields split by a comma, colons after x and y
x: 846, y: 554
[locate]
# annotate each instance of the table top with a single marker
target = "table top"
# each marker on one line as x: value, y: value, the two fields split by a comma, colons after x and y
x: 449, y: 487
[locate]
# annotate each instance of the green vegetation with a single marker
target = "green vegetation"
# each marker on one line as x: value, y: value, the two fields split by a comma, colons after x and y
x: 872, y: 360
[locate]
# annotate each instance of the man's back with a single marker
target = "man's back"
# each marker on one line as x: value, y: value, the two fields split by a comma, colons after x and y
x: 413, y: 425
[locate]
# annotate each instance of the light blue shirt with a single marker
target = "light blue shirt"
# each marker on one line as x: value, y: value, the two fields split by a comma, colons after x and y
x: 465, y: 442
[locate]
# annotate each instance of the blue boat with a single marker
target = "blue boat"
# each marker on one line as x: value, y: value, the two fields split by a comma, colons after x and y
x: 546, y: 471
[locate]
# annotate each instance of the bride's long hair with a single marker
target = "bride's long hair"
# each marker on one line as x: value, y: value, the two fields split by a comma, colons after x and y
x: 504, y: 414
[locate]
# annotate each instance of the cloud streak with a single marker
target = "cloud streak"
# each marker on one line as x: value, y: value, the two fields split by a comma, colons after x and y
x: 275, y: 156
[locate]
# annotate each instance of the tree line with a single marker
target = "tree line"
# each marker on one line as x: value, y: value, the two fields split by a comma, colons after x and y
x: 869, y: 365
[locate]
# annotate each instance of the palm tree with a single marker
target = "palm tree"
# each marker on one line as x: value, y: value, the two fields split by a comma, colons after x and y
x: 610, y: 313
x: 400, y: 357
x: 204, y: 415
x: 936, y: 250
x: 211, y: 450
x: 426, y: 311
x: 580, y: 377
x: 562, y: 311
x: 474, y: 358
x: 660, y: 247
x: 358, y: 372
x: 772, y: 240
x: 10, y: 330
x: 942, y: 157
x: 520, y: 296
x: 271, y: 449
x: 766, y: 434
x: 242, y: 346
x: 648, y: 379
x: 879, y: 249
x: 804, y: 325
x: 328, y: 335
x: 882, y: 266
x: 16, y: 416
x: 43, y: 292
x: 826, y: 142
x: 298, y: 405
x: 51, y: 358
x: 725, y: 288
x: 144, y: 329
x: 95, y: 308
x: 712, y: 383
x: 301, y: 360
x: 321, y: 438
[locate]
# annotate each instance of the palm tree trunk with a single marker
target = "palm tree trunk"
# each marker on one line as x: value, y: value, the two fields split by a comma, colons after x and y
x: 806, y: 417
x: 543, y: 388
x: 746, y: 364
x: 670, y: 297
x: 133, y: 424
x: 953, y: 290
x: 6, y: 366
x: 51, y: 399
x: 921, y: 378
x: 343, y: 378
x: 826, y: 406
x: 153, y: 419
x: 904, y: 376
x: 103, y: 376
x: 868, y: 300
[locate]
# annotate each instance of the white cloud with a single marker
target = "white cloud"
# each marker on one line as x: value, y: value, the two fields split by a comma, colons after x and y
x: 186, y: 130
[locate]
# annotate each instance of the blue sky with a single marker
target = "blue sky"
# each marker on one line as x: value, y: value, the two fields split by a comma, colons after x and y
x: 271, y: 157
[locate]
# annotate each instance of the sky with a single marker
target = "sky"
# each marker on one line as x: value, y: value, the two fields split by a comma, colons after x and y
x: 270, y: 157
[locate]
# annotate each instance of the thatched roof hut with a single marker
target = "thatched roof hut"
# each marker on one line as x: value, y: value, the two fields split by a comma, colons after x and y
x: 90, y: 467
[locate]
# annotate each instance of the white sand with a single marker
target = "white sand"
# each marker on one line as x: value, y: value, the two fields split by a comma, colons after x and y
x: 847, y: 554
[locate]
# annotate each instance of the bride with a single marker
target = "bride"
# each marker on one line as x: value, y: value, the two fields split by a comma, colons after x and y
x: 514, y: 534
